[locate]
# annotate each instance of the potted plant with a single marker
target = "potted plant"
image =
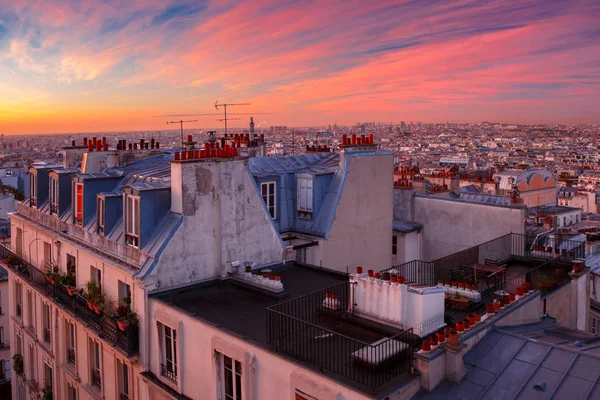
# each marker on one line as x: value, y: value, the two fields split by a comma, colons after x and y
x: 92, y: 292
x: 18, y: 363
x: 51, y: 277
x: 460, y: 302
x: 47, y: 393
x: 98, y: 303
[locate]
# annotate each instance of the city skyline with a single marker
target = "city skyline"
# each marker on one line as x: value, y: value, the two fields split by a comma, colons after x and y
x: 116, y: 66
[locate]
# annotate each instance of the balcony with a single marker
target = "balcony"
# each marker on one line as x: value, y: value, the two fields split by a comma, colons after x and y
x: 322, y: 331
x: 168, y: 372
x: 105, y: 325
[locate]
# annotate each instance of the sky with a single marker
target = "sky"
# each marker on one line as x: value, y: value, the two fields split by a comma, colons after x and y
x: 110, y: 65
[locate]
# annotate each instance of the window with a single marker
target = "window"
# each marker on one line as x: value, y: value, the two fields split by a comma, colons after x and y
x: 123, y: 377
x: 593, y: 325
x: 19, y: 340
x: 230, y: 377
x: 70, y: 342
x: 305, y: 197
x: 71, y: 392
x: 268, y: 195
x: 132, y: 221
x: 46, y: 322
x: 4, y: 368
x: 19, y: 298
x: 301, y: 255
x: 96, y: 275
x: 1, y: 337
x: 78, y: 214
x: 124, y: 294
x: 53, y: 196
x: 95, y: 363
x: 32, y: 371
x: 47, y: 376
x: 168, y: 339
x: 19, y: 242
x: 48, y: 256
x: 32, y: 189
x: 30, y: 310
x: 20, y: 390
x: 100, y: 215
x: 394, y: 244
x: 71, y: 266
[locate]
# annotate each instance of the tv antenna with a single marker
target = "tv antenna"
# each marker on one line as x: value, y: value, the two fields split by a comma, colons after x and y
x: 224, y: 105
x: 180, y: 122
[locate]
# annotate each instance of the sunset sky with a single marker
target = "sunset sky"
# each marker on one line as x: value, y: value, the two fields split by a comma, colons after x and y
x: 74, y: 66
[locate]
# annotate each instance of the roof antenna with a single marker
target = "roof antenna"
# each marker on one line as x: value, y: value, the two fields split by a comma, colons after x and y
x: 181, y: 124
x: 224, y: 105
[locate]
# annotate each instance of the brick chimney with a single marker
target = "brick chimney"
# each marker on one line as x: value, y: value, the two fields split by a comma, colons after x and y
x: 455, y: 185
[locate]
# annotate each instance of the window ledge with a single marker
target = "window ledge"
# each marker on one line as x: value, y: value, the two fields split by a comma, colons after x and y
x: 149, y: 377
x: 71, y: 370
x: 93, y: 391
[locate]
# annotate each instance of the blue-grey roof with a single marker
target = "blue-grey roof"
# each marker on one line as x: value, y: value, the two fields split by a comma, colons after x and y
x: 314, y: 163
x: 404, y: 226
x: 469, y: 189
x: 508, y: 363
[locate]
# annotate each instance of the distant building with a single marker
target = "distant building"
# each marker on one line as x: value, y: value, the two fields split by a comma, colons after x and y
x: 537, y: 187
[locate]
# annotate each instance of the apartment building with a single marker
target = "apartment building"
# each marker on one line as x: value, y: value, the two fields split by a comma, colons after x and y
x: 109, y: 227
x: 5, y: 362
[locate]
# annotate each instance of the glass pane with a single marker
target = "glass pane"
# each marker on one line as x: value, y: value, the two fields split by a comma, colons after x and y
x: 264, y: 189
x: 228, y: 383
x: 238, y: 380
x: 227, y: 362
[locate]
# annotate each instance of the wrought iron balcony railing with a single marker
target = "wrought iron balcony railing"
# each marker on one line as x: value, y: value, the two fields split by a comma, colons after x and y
x: 105, y: 325
x: 168, y: 372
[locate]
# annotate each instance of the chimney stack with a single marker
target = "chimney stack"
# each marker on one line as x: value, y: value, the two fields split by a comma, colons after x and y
x: 455, y: 185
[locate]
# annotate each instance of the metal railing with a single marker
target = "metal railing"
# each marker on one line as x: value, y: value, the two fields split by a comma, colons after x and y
x: 303, y: 328
x: 513, y: 246
x: 415, y: 271
x: 105, y: 325
x: 168, y: 372
x: 429, y: 325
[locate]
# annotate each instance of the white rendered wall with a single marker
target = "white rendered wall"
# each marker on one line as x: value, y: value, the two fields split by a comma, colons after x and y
x: 224, y: 220
x: 361, y: 233
x: 451, y: 226
x: 396, y: 304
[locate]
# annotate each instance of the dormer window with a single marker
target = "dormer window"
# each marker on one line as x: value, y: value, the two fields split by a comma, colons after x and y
x: 100, y: 215
x: 53, y: 196
x: 268, y: 194
x: 78, y: 204
x: 132, y: 221
x: 32, y: 189
x: 305, y: 196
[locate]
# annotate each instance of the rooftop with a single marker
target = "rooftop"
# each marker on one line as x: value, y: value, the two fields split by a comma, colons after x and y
x: 537, y: 361
x: 241, y: 309
x: 368, y: 356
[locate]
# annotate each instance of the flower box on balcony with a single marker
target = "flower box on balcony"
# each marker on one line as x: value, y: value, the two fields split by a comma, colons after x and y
x: 460, y: 303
